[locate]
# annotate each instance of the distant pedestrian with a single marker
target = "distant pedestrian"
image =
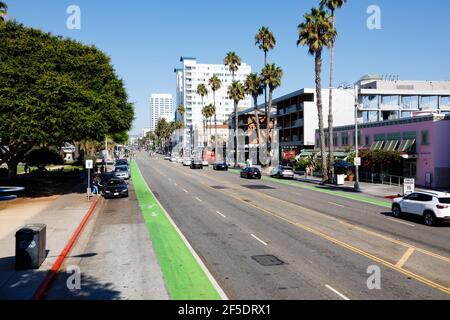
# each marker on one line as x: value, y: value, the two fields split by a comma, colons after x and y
x: 95, y: 185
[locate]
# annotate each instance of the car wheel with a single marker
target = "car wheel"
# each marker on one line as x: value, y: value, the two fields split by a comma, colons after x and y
x: 396, y: 211
x: 429, y: 219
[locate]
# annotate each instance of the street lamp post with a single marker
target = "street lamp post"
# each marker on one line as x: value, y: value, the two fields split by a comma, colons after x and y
x: 357, y: 187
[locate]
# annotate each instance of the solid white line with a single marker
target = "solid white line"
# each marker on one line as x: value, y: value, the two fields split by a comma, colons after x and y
x: 198, y: 199
x: 264, y: 243
x: 337, y: 204
x: 398, y: 221
x: 186, y: 242
x: 337, y: 292
x: 224, y: 216
x: 185, y: 190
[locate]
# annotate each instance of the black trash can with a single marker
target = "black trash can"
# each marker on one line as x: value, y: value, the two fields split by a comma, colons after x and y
x: 30, y: 246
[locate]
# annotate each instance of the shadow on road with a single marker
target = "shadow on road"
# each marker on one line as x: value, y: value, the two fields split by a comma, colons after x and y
x: 414, y: 219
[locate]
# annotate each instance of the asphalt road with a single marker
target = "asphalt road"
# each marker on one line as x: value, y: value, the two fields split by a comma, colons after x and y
x: 265, y: 240
x: 115, y: 258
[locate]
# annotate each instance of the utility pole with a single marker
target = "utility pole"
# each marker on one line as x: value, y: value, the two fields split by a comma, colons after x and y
x: 357, y: 187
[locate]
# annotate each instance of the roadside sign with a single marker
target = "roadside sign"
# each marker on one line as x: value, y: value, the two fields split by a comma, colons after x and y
x: 409, y: 186
x: 89, y: 164
x: 357, y: 162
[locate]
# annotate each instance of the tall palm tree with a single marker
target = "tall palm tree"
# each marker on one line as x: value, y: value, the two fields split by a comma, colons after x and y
x: 317, y: 32
x: 271, y: 75
x: 254, y: 86
x: 3, y: 10
x: 332, y: 5
x: 215, y: 85
x: 233, y: 62
x: 202, y: 91
x: 205, y: 129
x: 182, y: 111
x: 211, y: 111
x: 236, y: 92
x: 265, y: 40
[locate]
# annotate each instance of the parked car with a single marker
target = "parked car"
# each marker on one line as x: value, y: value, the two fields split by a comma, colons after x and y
x: 187, y: 162
x: 122, y: 172
x: 116, y: 188
x: 251, y: 173
x: 195, y: 164
x: 283, y: 172
x: 179, y: 160
x: 434, y: 207
x: 220, y: 166
x: 205, y: 163
x: 167, y: 157
x: 122, y: 162
x: 173, y: 159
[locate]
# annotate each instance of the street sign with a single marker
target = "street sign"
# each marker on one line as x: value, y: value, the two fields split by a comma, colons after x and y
x: 89, y: 164
x: 357, y: 162
x: 409, y: 186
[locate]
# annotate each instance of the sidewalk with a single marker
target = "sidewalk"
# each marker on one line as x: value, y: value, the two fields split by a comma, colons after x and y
x: 61, y: 214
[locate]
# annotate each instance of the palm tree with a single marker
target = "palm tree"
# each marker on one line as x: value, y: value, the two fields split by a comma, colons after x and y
x: 332, y: 5
x: 236, y: 92
x: 265, y: 40
x: 233, y: 62
x: 3, y: 10
x: 202, y: 91
x: 215, y: 85
x: 317, y: 32
x: 182, y: 111
x: 210, y: 111
x: 205, y: 129
x: 271, y: 75
x: 254, y: 86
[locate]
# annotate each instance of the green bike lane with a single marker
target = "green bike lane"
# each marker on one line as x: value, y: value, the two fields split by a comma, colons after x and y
x: 185, y: 276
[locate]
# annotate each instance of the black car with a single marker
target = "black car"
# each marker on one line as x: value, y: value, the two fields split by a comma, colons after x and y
x: 251, y: 173
x: 121, y: 162
x: 116, y: 188
x: 196, y: 165
x: 105, y: 177
x: 220, y: 167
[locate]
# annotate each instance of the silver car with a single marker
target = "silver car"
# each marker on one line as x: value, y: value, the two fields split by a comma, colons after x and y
x: 122, y: 172
x: 283, y: 172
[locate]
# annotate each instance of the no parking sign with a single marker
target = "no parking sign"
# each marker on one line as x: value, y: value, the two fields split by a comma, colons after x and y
x: 409, y: 186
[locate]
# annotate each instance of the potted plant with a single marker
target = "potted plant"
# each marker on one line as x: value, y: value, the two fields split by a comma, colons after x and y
x: 350, y: 176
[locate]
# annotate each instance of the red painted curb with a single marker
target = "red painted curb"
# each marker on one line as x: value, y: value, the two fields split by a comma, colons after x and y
x: 40, y: 292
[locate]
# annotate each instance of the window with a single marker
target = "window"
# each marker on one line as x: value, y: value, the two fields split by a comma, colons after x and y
x: 389, y: 115
x: 429, y: 102
x: 410, y: 102
x: 424, y: 197
x: 370, y: 116
x: 344, y: 139
x: 367, y: 140
x: 444, y: 200
x: 369, y: 102
x: 390, y: 100
x: 407, y: 114
x: 425, y: 138
x: 445, y: 102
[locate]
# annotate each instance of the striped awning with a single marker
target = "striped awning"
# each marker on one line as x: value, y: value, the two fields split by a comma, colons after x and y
x: 406, y: 145
x: 391, y: 145
x: 377, y: 145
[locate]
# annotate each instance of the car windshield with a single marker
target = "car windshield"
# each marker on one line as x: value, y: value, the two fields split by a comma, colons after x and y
x: 121, y: 169
x: 286, y: 168
x: 444, y: 200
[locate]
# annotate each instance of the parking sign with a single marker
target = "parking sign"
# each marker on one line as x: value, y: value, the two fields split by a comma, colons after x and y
x: 89, y: 164
x: 409, y: 186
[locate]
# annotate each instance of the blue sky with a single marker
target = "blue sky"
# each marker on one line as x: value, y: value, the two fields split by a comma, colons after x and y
x: 145, y: 39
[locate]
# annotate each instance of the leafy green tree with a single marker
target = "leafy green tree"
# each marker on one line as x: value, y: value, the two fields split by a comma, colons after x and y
x: 332, y: 5
x: 317, y: 32
x: 215, y: 85
x: 233, y: 62
x: 236, y: 92
x: 55, y: 90
x: 271, y: 75
x: 3, y: 11
x: 42, y: 157
x: 254, y: 86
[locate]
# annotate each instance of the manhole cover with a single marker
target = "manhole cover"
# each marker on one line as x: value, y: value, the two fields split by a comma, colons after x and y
x: 219, y: 187
x: 268, y: 260
x: 258, y: 187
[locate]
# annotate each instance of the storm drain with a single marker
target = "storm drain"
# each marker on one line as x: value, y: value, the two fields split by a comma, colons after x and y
x: 258, y: 187
x: 268, y: 260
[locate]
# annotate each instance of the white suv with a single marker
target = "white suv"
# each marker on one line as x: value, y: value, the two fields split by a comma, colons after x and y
x: 434, y: 207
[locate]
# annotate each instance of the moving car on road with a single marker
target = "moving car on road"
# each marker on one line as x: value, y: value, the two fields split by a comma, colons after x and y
x: 434, y: 207
x: 122, y: 172
x: 220, y: 166
x: 196, y: 164
x: 116, y: 188
x: 283, y: 172
x: 251, y: 173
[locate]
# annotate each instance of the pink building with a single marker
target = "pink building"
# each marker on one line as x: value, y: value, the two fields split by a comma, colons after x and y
x: 424, y: 143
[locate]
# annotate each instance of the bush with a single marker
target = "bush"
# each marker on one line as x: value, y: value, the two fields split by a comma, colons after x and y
x: 40, y: 158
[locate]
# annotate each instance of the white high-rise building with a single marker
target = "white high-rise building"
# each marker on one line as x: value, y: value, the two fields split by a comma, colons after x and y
x: 161, y: 106
x: 190, y: 75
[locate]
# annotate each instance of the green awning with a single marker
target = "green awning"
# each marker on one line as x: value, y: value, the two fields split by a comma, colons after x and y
x: 406, y: 145
x: 377, y: 145
x: 391, y: 145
